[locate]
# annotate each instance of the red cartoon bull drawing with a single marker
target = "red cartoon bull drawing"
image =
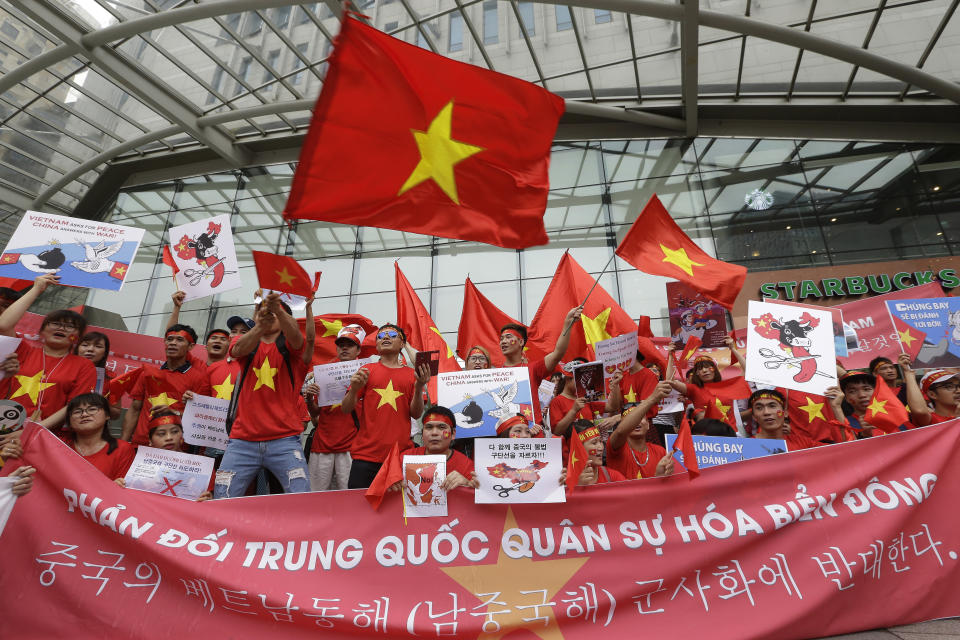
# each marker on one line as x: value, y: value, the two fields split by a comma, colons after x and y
x: 205, y: 256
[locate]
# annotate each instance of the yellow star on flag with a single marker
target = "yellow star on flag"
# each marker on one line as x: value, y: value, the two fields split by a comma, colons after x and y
x: 438, y: 155
x: 265, y: 374
x: 630, y: 396
x: 285, y: 277
x: 595, y: 329
x: 449, y: 350
x: 388, y: 395
x: 120, y: 269
x: 678, y: 257
x: 723, y: 408
x: 761, y: 323
x: 521, y: 582
x: 331, y: 327
x: 181, y: 247
x: 906, y: 338
x: 224, y: 389
x: 162, y: 400
x: 814, y: 410
x: 31, y: 386
x: 877, y: 406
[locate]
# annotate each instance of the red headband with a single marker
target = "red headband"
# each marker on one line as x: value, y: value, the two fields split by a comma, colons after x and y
x: 504, y: 426
x: 587, y: 434
x: 162, y: 421
x: 476, y: 351
x: 700, y: 359
x: 769, y: 396
x: 514, y: 333
x: 438, y: 417
x: 183, y: 334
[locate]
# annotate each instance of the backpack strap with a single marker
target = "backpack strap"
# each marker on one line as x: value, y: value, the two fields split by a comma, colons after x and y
x: 235, y: 397
x: 606, y: 473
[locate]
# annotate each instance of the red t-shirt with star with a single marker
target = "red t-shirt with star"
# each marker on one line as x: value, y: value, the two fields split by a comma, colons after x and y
x: 456, y: 462
x: 114, y: 465
x: 164, y: 386
x: 633, y: 464
x: 48, y: 381
x: 335, y: 431
x: 223, y: 376
x: 561, y: 405
x: 615, y: 476
x: 268, y: 408
x: 385, y: 415
x: 635, y: 387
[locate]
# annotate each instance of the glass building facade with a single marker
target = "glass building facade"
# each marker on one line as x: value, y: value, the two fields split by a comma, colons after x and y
x: 766, y: 204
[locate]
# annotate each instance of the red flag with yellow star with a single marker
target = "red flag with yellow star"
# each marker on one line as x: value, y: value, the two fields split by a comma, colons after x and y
x: 405, y: 139
x: 693, y: 343
x: 390, y: 473
x: 328, y: 326
x: 602, y: 317
x: 281, y: 273
x: 721, y: 410
x: 809, y: 414
x: 421, y: 330
x: 655, y: 244
x: 684, y: 444
x: 885, y: 412
x: 911, y: 339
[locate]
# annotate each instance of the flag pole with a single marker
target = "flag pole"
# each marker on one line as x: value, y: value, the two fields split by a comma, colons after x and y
x: 597, y: 281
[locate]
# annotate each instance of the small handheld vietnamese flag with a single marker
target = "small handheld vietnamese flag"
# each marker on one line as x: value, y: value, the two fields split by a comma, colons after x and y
x: 885, y: 412
x: 168, y: 259
x: 281, y: 273
x: 391, y: 472
x: 911, y: 339
x: 684, y: 444
x: 577, y: 460
x: 655, y: 244
x: 693, y: 343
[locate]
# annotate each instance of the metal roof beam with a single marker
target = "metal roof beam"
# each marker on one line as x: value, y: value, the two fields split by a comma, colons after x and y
x: 134, y: 80
x: 689, y: 70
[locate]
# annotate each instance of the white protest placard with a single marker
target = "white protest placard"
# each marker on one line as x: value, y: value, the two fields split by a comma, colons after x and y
x: 482, y: 398
x: 83, y: 253
x: 545, y: 392
x: 790, y: 347
x: 670, y: 403
x: 7, y: 499
x: 295, y: 302
x: 518, y: 470
x: 7, y: 346
x: 617, y: 353
x: 205, y: 422
x: 169, y: 473
x: 206, y: 257
x: 422, y: 495
x: 334, y: 379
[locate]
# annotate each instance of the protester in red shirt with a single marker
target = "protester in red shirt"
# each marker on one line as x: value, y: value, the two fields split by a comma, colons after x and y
x: 391, y: 395
x: 478, y: 358
x: 941, y: 387
x: 566, y: 406
x: 50, y: 375
x: 218, y: 340
x: 769, y: 412
x: 95, y: 347
x: 628, y: 450
x: 704, y: 371
x: 87, y: 432
x: 334, y: 430
x: 514, y: 427
x: 856, y: 388
x: 594, y: 472
x: 266, y: 428
x: 163, y: 389
x: 885, y: 370
x: 513, y: 338
x: 439, y: 431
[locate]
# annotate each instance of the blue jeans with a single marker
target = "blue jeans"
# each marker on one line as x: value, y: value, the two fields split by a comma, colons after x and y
x: 243, y: 458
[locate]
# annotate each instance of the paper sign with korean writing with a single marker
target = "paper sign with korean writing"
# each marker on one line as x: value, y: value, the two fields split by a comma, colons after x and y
x: 206, y: 257
x: 169, y: 473
x: 617, y: 354
x: 518, y: 470
x: 671, y: 403
x: 205, y: 422
x: 82, y: 253
x: 928, y: 330
x: 483, y: 398
x: 334, y: 379
x: 714, y: 450
x: 423, y: 496
x: 790, y: 347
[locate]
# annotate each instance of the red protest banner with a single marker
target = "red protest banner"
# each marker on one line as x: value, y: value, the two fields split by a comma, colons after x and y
x: 818, y: 542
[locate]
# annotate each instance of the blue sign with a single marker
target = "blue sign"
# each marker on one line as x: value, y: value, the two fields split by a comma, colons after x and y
x: 714, y: 450
x: 929, y: 330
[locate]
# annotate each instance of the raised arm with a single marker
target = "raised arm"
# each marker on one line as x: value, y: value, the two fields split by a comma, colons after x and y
x: 311, y: 332
x: 735, y: 353
x: 553, y: 358
x: 416, y: 403
x: 630, y: 421
x: 672, y: 371
x: 357, y: 381
x: 919, y: 409
x: 13, y: 313
x: 246, y: 344
x: 178, y: 297
x: 288, y: 325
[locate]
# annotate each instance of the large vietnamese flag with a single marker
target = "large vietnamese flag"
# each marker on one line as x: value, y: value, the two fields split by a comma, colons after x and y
x: 329, y: 325
x: 655, y: 244
x: 422, y: 332
x: 602, y: 317
x: 405, y: 139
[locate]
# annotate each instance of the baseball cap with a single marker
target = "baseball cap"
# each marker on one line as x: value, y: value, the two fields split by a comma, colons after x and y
x: 232, y: 320
x: 935, y: 377
x: 352, y: 332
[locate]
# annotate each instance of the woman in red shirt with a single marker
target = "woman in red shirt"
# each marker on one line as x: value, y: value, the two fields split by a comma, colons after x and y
x: 88, y: 434
x: 594, y: 472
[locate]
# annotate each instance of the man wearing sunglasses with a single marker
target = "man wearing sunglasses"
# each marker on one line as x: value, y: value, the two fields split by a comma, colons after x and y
x: 388, y: 395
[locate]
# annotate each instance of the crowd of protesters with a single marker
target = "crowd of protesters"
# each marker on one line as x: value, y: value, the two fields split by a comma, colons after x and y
x: 282, y: 441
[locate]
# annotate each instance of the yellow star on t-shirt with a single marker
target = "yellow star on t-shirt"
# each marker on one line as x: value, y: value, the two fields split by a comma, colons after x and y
x: 630, y: 396
x: 678, y: 257
x: 265, y: 374
x: 595, y: 329
x: 388, y: 395
x: 162, y: 400
x: 31, y: 386
x: 877, y: 406
x: 331, y: 327
x: 723, y: 408
x: 906, y: 338
x: 449, y: 350
x: 224, y: 389
x: 814, y: 410
x: 438, y: 155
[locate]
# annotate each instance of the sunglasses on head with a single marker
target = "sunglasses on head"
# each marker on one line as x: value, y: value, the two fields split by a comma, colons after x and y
x: 389, y: 333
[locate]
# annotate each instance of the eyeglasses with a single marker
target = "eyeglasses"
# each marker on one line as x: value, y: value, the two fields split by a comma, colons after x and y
x: 84, y: 411
x: 477, y: 359
x: 948, y: 386
x: 390, y: 333
x: 65, y: 326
